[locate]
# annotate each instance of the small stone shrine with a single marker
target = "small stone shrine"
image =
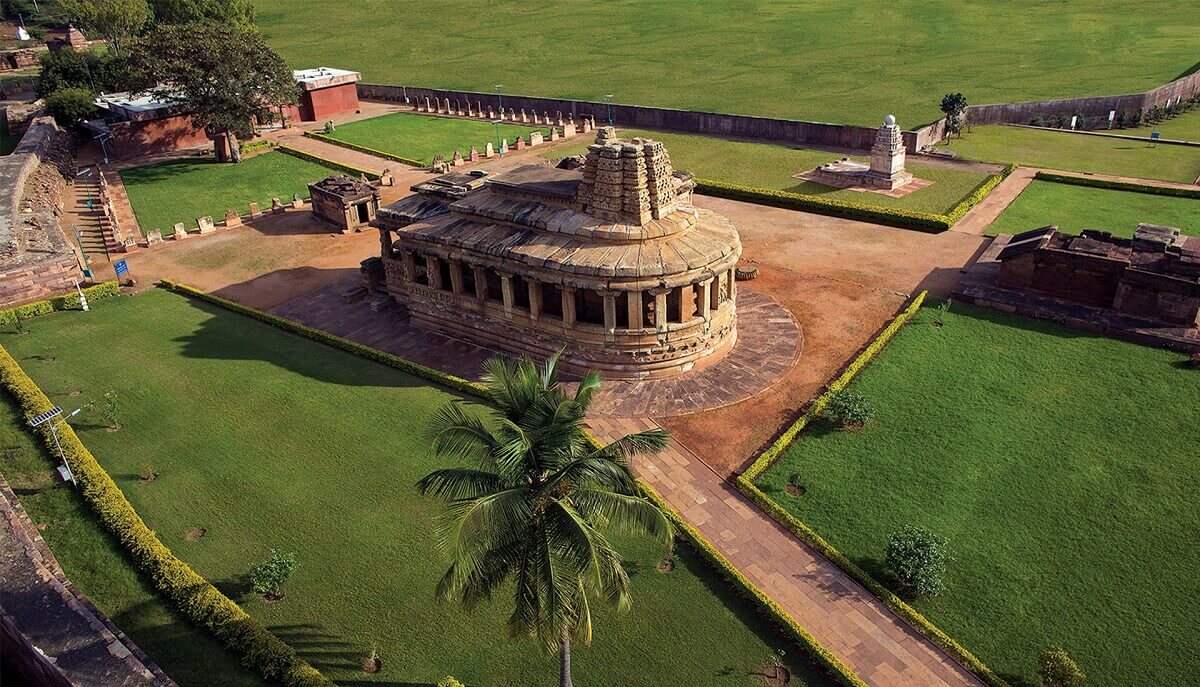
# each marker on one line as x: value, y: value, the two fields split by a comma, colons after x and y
x: 886, y: 171
x: 608, y: 261
x: 347, y: 203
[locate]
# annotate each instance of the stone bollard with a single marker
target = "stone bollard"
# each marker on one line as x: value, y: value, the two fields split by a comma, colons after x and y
x: 205, y: 224
x: 232, y: 218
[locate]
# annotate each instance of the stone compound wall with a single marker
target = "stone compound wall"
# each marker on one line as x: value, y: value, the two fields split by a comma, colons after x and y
x: 36, y: 258
x: 766, y: 129
x: 1094, y: 109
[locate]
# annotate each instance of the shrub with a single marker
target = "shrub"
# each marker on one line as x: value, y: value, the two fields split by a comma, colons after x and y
x: 70, y: 106
x: 1037, y: 120
x: 70, y: 301
x: 849, y: 408
x: 918, y: 557
x: 449, y: 681
x: 267, y: 577
x: 147, y: 473
x: 1058, y: 669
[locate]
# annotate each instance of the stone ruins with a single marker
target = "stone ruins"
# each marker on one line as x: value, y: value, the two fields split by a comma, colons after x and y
x: 886, y: 171
x: 347, y: 203
x: 608, y: 261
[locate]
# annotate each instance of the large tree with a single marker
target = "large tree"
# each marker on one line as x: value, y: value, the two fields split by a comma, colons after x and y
x: 954, y: 105
x: 535, y: 502
x: 236, y: 12
x: 116, y: 21
x: 225, y: 76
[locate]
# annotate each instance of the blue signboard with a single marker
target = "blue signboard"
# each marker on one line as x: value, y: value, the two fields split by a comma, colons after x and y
x: 121, y: 268
x: 1154, y: 135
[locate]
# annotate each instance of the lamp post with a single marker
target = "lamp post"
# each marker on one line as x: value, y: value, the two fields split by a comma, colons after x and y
x: 50, y: 416
x: 608, y: 103
x: 496, y: 123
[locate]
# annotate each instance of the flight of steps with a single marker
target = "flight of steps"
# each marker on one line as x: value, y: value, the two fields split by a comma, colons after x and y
x: 94, y: 234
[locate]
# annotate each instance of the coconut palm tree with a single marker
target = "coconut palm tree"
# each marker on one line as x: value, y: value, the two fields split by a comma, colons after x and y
x: 534, y: 503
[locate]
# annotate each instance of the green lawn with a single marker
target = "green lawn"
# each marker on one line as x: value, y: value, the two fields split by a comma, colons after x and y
x: 762, y: 165
x: 1061, y: 467
x: 182, y: 190
x: 1079, y: 153
x: 420, y: 137
x: 269, y: 440
x: 96, y: 565
x: 804, y: 59
x: 1074, y: 208
x: 1185, y: 127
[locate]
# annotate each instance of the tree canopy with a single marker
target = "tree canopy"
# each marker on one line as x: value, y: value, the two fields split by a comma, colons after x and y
x: 116, y: 21
x: 95, y: 71
x: 235, y: 12
x: 226, y: 76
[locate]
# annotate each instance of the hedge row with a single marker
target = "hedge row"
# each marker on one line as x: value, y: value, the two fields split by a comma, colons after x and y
x: 250, y: 147
x: 436, y: 376
x: 336, y: 166
x: 190, y: 593
x: 848, y: 209
x: 1119, y: 185
x: 68, y: 301
x: 703, y: 547
x: 363, y: 149
x: 745, y: 484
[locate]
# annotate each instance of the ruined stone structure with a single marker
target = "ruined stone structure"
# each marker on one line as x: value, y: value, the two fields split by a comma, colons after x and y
x: 608, y: 261
x: 1156, y: 275
x: 344, y: 202
x: 885, y: 172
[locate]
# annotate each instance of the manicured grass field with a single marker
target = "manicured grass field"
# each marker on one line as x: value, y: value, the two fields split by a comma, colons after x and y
x: 805, y: 59
x: 269, y: 440
x: 420, y: 137
x: 1079, y: 153
x: 182, y: 190
x: 1074, y: 208
x: 98, y: 568
x: 1185, y: 127
x: 1059, y: 465
x: 762, y: 165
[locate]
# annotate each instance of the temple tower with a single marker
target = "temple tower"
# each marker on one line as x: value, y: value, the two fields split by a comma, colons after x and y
x: 887, y: 157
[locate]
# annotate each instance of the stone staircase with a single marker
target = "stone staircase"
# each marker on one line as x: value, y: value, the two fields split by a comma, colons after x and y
x: 95, y: 234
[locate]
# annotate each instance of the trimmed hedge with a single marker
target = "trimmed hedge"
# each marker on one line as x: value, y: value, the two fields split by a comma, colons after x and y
x: 706, y: 550
x: 1114, y: 185
x: 68, y: 301
x: 905, y: 219
x: 436, y: 376
x: 250, y: 147
x: 336, y: 166
x: 192, y: 595
x: 745, y: 483
x: 363, y: 149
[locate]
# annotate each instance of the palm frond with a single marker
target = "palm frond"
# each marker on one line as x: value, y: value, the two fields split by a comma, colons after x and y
x: 625, y: 513
x: 459, y: 483
x: 460, y: 434
x: 648, y: 442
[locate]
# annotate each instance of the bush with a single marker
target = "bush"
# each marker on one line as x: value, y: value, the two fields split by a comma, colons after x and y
x: 918, y: 557
x: 449, y: 681
x: 267, y: 577
x: 92, y: 71
x: 68, y: 302
x: 1058, y: 669
x: 70, y: 106
x: 849, y: 408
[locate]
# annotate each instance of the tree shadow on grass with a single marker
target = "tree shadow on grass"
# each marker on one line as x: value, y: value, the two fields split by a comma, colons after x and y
x: 320, y: 648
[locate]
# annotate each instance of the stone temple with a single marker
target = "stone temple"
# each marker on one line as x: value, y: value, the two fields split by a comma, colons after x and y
x: 608, y: 261
x: 886, y: 171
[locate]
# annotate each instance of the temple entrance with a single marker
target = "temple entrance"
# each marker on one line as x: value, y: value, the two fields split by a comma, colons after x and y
x: 364, y: 213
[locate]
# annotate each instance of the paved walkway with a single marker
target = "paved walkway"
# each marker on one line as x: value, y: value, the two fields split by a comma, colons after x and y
x: 869, y: 638
x: 49, y: 611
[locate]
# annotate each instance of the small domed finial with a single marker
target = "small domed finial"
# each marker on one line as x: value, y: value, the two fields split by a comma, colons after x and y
x: 890, y: 120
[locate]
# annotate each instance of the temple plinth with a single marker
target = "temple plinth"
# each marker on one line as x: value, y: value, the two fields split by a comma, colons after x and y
x: 608, y: 261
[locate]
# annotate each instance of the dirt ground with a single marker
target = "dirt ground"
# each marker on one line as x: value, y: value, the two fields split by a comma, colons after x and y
x: 842, y: 280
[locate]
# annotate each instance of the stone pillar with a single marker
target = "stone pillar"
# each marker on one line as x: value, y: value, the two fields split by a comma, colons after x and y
x: 660, y: 311
x: 385, y: 243
x: 456, y: 277
x: 610, y: 312
x: 705, y: 298
x: 633, y: 310
x: 535, y: 298
x: 687, y: 303
x: 434, y: 272
x: 410, y: 265
x: 568, y: 306
x: 480, y: 283
x: 506, y: 290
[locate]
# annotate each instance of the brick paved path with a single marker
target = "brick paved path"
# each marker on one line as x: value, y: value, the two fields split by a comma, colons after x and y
x: 51, y: 613
x: 870, y: 639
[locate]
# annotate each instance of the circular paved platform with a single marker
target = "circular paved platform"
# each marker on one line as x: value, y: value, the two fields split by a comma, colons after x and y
x: 769, y: 343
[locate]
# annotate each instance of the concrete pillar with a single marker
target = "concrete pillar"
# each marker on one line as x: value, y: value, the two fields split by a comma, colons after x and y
x: 660, y: 311
x: 568, y: 306
x: 610, y: 312
x: 535, y: 298
x: 456, y: 277
x: 705, y: 310
x: 434, y: 271
x: 633, y: 310
x: 480, y: 282
x: 506, y: 289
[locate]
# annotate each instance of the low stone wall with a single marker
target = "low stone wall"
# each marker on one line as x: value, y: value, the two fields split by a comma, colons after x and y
x: 36, y: 258
x: 1094, y: 110
x: 766, y: 129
